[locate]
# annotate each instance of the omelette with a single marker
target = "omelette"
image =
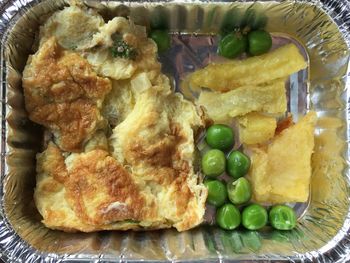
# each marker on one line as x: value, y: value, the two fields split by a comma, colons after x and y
x: 121, y: 155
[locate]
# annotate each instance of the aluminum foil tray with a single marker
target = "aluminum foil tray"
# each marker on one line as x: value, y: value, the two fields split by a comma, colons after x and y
x: 323, y: 232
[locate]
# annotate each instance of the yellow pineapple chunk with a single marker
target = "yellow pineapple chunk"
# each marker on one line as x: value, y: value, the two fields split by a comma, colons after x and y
x: 256, y: 128
x: 281, y: 171
x: 253, y: 71
x: 222, y: 107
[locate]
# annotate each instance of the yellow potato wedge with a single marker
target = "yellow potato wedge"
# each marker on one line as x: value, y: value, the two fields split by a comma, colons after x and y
x: 255, y: 128
x: 281, y: 171
x: 254, y: 71
x: 222, y: 107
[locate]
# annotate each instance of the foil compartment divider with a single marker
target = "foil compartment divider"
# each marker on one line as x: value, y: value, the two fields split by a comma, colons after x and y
x: 198, y: 241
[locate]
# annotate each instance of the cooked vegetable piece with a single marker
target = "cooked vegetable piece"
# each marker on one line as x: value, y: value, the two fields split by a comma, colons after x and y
x: 228, y: 217
x: 121, y: 49
x: 162, y: 39
x: 256, y: 128
x: 217, y: 192
x: 222, y: 107
x: 254, y: 217
x: 237, y: 164
x: 282, y: 217
x: 232, y: 45
x: 281, y: 173
x: 239, y: 191
x: 220, y: 136
x: 213, y: 163
x: 259, y: 42
x: 279, y: 63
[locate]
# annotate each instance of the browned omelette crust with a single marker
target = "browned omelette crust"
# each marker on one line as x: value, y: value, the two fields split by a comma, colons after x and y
x: 161, y: 155
x: 155, y: 185
x: 63, y: 93
x: 159, y: 148
x: 147, y: 180
x: 98, y: 189
x: 93, y: 183
x: 162, y: 161
x: 95, y: 175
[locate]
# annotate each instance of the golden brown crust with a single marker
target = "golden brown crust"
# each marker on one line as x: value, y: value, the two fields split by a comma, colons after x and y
x: 161, y: 155
x: 156, y: 154
x: 53, y: 164
x: 98, y: 189
x: 95, y: 182
x: 57, y: 83
x: 182, y: 194
x: 159, y: 149
x: 74, y: 121
x: 155, y: 186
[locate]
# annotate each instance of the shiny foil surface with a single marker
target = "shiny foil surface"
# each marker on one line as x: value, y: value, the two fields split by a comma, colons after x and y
x: 323, y: 230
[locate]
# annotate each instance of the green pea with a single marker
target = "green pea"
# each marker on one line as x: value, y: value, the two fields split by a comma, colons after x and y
x: 259, y: 42
x: 232, y: 20
x: 254, y: 217
x: 282, y: 217
x: 228, y: 217
x: 232, y: 45
x: 220, y: 136
x: 159, y: 18
x: 239, y: 191
x: 162, y: 39
x: 237, y: 164
x: 217, y: 192
x: 253, y: 20
x: 213, y: 163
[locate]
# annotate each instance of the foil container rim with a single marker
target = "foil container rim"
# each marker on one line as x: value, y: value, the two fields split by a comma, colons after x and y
x: 10, y: 240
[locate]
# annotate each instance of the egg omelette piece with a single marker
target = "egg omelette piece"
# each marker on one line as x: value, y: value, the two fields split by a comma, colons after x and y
x: 159, y: 149
x: 83, y: 30
x: 142, y: 177
x: 63, y: 93
x: 146, y: 182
